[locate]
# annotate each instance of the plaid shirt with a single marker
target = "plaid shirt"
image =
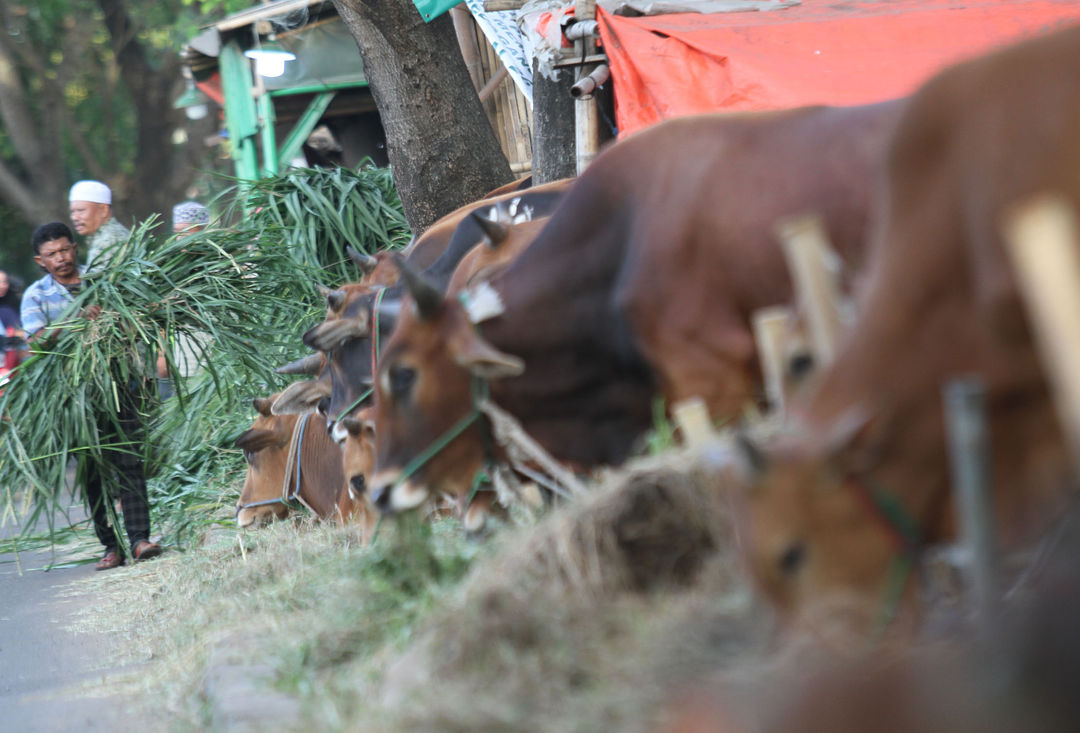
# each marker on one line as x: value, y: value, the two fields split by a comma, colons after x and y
x: 111, y: 232
x: 44, y: 302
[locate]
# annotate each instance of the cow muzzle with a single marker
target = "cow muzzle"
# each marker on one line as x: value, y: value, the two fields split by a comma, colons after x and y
x: 391, y: 495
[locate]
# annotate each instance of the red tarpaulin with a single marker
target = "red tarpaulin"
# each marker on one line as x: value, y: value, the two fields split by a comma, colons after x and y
x: 815, y: 53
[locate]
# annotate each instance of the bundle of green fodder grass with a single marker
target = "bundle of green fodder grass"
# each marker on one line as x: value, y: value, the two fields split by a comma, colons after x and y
x: 320, y: 211
x: 238, y: 297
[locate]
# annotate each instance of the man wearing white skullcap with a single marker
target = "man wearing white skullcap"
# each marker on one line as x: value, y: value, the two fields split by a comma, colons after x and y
x: 189, y: 217
x: 91, y: 216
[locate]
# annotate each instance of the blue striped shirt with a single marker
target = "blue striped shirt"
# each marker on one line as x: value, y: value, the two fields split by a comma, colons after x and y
x: 44, y: 302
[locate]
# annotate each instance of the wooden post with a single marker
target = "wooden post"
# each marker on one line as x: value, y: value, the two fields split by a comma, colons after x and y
x: 586, y: 113
x: 965, y: 420
x: 807, y: 249
x: 692, y: 418
x: 466, y: 37
x: 1042, y: 239
x: 553, y: 128
x: 770, y: 332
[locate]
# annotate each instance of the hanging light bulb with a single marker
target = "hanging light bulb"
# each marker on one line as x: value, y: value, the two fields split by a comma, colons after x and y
x: 269, y: 56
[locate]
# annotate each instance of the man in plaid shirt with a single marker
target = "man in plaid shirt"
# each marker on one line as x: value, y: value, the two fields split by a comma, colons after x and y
x: 47, y: 301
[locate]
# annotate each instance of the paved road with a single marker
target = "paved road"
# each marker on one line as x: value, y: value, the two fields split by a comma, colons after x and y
x: 52, y: 678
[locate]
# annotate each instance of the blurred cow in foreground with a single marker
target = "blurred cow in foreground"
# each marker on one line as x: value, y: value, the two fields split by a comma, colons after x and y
x: 846, y: 502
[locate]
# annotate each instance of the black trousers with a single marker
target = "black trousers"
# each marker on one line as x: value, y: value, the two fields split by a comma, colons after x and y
x: 119, y: 473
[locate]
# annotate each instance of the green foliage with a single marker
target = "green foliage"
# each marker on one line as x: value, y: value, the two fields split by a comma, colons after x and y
x: 320, y: 211
x: 235, y: 299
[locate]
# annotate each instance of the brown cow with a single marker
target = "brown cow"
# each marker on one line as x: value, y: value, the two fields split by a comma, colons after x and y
x: 863, y: 483
x: 347, y: 339
x: 292, y: 463
x: 643, y: 282
x: 504, y: 241
x: 358, y: 457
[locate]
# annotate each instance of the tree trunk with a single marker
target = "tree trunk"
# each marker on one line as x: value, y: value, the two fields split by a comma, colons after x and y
x: 554, y: 153
x: 441, y: 147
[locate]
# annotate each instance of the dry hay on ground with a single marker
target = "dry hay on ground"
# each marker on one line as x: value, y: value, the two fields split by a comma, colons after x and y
x: 590, y: 619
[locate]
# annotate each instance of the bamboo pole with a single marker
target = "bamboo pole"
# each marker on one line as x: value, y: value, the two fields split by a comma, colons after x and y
x: 770, y: 332
x: 692, y: 418
x: 969, y: 446
x: 586, y: 114
x: 807, y: 249
x: 465, y: 29
x: 1042, y: 240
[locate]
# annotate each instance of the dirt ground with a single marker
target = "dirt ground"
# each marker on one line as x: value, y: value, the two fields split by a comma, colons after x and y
x: 55, y: 673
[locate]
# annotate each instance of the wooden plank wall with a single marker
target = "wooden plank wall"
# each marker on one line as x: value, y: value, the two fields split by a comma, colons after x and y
x: 506, y: 107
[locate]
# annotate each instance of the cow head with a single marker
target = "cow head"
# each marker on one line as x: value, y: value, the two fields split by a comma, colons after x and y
x: 344, y: 337
x: 359, y: 452
x: 265, y: 447
x: 358, y: 458
x: 812, y: 537
x: 424, y: 392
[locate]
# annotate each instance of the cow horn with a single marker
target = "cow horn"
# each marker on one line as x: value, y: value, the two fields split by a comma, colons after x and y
x: 428, y: 298
x: 335, y: 300
x: 323, y: 290
x: 365, y: 262
x: 261, y: 405
x: 495, y: 231
x: 310, y: 364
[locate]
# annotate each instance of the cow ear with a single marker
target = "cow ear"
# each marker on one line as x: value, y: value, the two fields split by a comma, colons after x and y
x: 330, y: 335
x: 262, y: 406
x: 300, y: 397
x: 256, y: 439
x: 484, y: 360
x: 335, y: 300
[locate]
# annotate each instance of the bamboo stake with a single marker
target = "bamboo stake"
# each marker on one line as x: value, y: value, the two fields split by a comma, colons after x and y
x: 465, y: 28
x: 1042, y: 240
x: 770, y: 332
x: 586, y: 114
x: 692, y: 418
x: 969, y: 445
x: 807, y: 249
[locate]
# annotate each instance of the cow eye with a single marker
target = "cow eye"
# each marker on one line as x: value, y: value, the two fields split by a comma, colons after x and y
x: 401, y: 381
x: 792, y: 558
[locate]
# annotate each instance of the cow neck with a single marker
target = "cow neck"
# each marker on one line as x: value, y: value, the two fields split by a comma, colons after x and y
x: 290, y: 500
x: 374, y: 360
x: 295, y: 453
x: 904, y: 535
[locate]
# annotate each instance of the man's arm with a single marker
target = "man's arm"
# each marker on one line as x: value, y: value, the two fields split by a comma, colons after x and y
x: 33, y: 316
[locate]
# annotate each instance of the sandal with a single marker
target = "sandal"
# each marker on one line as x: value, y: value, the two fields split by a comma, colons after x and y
x: 112, y: 559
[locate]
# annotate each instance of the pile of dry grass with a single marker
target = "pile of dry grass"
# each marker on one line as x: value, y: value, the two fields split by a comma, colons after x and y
x: 591, y: 619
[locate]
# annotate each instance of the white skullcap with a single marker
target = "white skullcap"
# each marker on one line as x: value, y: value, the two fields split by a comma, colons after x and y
x: 190, y: 213
x: 95, y: 192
